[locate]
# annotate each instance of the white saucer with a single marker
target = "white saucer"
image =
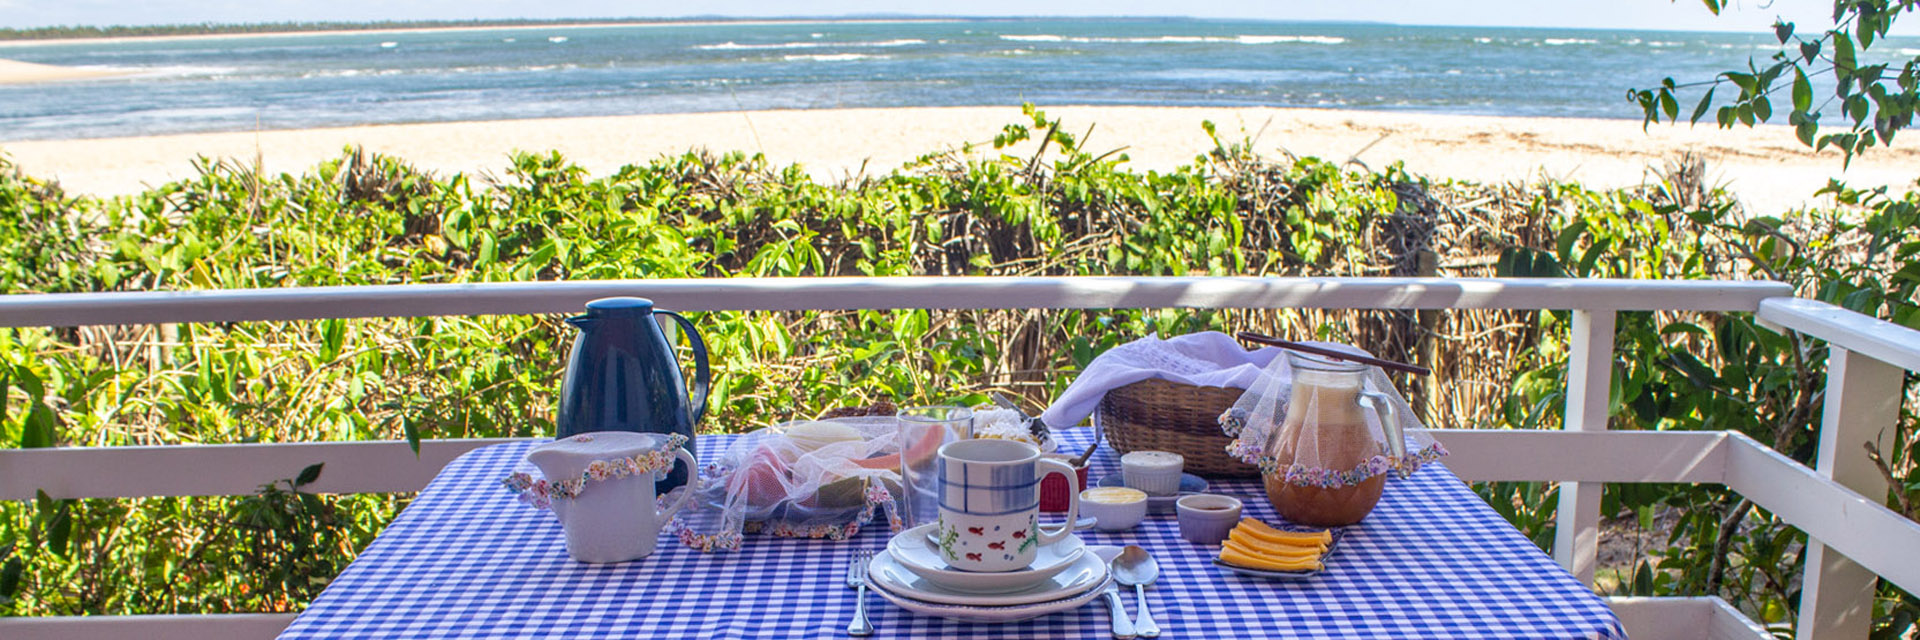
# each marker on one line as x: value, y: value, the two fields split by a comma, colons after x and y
x: 916, y: 553
x: 1084, y: 574
x: 978, y: 613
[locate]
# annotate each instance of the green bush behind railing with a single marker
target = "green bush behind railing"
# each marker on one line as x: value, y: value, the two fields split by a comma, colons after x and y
x: 1058, y: 210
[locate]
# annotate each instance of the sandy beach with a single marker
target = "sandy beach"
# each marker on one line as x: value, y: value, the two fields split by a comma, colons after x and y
x: 1765, y: 166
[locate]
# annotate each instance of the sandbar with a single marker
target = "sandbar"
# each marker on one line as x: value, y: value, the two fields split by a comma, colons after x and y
x: 17, y: 72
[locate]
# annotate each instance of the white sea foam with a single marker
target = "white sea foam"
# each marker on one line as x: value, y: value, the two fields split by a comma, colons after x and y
x: 1290, y: 40
x: 187, y: 71
x: 389, y: 45
x: 1483, y: 40
x: 1561, y: 42
x: 831, y: 57
x: 731, y: 45
x: 557, y: 39
x: 1242, y: 39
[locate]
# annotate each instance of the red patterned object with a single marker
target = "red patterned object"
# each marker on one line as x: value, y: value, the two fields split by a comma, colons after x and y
x: 1054, y: 492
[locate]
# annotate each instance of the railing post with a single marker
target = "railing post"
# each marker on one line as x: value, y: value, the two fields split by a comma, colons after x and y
x: 1576, y: 537
x: 1862, y: 404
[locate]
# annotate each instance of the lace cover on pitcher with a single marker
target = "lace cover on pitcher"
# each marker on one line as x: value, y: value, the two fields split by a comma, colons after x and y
x: 1259, y: 426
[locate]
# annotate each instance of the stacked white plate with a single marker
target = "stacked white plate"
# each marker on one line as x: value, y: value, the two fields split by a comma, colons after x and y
x: 911, y: 574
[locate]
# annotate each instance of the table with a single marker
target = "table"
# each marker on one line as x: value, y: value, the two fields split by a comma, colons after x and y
x: 466, y: 560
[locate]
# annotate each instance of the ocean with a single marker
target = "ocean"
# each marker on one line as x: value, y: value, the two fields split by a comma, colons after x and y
x: 320, y: 80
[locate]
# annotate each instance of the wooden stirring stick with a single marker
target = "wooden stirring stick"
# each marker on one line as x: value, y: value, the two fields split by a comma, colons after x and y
x: 1323, y: 351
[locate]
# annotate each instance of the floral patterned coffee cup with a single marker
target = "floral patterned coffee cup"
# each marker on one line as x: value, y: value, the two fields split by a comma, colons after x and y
x: 990, y: 504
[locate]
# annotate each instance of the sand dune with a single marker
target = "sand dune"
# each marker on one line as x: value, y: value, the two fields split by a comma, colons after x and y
x: 1765, y: 165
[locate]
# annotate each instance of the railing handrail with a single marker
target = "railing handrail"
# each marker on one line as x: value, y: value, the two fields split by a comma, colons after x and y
x: 916, y: 292
x: 1864, y: 334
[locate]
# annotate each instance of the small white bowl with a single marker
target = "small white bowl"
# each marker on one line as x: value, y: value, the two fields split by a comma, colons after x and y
x: 1207, y: 518
x: 1155, y: 472
x: 1114, y: 508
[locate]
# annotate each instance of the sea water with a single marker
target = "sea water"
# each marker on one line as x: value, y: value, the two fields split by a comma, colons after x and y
x: 246, y: 83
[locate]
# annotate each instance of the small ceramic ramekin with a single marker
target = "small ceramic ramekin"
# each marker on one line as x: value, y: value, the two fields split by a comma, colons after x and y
x: 1155, y: 472
x: 1114, y: 508
x: 1206, y: 518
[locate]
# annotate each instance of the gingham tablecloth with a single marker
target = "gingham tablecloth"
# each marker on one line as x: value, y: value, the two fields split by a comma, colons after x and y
x: 466, y: 560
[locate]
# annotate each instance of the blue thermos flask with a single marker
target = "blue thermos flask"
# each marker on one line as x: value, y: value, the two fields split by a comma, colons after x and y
x: 622, y: 376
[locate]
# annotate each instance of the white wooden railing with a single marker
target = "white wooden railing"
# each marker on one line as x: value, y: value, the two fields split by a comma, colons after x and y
x: 1854, y: 538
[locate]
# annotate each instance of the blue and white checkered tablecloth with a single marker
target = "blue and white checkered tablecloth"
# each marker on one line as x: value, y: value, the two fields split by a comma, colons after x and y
x: 466, y: 560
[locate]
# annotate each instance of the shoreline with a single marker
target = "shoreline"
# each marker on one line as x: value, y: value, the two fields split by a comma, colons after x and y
x: 1765, y: 167
x: 4, y: 44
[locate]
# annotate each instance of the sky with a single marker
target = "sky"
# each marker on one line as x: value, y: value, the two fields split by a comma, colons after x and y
x: 1741, y: 15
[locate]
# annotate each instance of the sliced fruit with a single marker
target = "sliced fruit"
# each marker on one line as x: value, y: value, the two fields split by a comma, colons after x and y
x: 763, y: 481
x: 1265, y: 547
x: 808, y: 436
x: 1267, y: 531
x: 1234, y: 556
x: 1264, y: 553
x: 918, y: 453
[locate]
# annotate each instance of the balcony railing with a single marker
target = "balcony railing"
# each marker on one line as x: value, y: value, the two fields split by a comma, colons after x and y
x: 1854, y: 539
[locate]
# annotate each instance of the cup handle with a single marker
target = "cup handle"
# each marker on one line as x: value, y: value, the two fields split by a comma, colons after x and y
x: 692, y: 486
x: 1050, y: 467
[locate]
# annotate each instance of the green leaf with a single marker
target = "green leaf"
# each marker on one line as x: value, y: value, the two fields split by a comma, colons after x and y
x: 1592, y: 256
x: 1743, y: 80
x: 413, y: 435
x: 1568, y: 236
x: 38, y: 431
x: 1805, y: 131
x: 1843, y: 60
x: 1762, y: 108
x: 1668, y: 105
x: 10, y: 579
x: 308, y: 475
x: 1706, y: 101
x: 54, y: 518
x: 30, y: 383
x: 1809, y: 51
x: 333, y: 336
x: 1782, y: 30
x: 1802, y: 91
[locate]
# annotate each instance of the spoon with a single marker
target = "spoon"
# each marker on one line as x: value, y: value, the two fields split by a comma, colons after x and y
x: 1136, y: 568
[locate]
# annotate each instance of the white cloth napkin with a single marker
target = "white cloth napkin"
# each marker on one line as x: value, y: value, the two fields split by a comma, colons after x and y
x: 1208, y: 359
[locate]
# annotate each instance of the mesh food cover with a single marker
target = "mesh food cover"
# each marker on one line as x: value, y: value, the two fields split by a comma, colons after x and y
x: 1324, y: 432
x: 810, y: 479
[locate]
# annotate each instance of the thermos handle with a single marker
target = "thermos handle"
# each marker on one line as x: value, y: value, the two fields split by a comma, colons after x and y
x: 703, y: 371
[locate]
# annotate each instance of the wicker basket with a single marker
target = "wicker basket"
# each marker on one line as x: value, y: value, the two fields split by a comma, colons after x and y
x: 1157, y: 415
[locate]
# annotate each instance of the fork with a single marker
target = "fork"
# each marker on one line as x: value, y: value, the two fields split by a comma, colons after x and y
x: 857, y: 579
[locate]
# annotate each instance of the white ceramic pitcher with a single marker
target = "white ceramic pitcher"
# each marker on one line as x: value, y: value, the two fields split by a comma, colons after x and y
x: 601, y: 487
